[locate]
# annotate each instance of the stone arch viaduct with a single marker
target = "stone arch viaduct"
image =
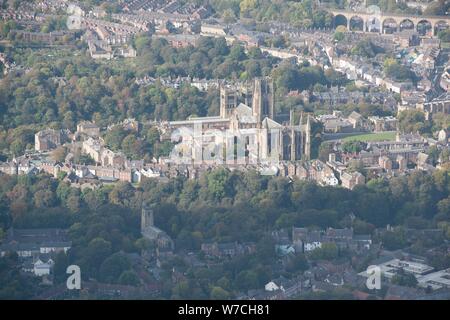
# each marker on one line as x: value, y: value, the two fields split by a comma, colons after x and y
x: 367, y: 22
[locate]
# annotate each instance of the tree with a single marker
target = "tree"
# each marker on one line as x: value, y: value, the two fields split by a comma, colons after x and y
x: 339, y: 36
x: 298, y: 263
x: 247, y: 5
x: 121, y: 194
x: 404, y: 279
x: 97, y: 251
x: 324, y: 150
x: 246, y: 280
x: 144, y: 244
x: 142, y: 43
x: 366, y: 48
x: 114, y: 138
x: 73, y: 203
x: 237, y: 52
x: 129, y: 277
x: 444, y: 35
x: 335, y: 78
x: 286, y: 77
x: 218, y: 186
x: 113, y: 267
x: 44, y: 199
x: 328, y: 251
x: 228, y: 16
x: 394, y: 240
x: 397, y: 71
x: 444, y: 209
x: 218, y: 293
x: 59, y: 154
x: 411, y: 121
x: 437, y: 8
x: 253, y: 69
x: 353, y: 146
x: 254, y: 53
x: 182, y: 290
x: 61, y: 264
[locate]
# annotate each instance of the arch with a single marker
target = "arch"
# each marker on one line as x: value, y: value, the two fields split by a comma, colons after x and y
x: 440, y: 26
x: 373, y: 24
x: 406, y: 24
x: 424, y: 27
x: 356, y: 23
x: 389, y: 25
x: 340, y: 20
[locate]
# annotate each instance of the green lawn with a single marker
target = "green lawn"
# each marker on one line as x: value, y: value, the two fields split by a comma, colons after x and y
x: 367, y: 137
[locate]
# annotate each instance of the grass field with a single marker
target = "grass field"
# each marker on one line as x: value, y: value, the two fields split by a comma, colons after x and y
x: 367, y: 137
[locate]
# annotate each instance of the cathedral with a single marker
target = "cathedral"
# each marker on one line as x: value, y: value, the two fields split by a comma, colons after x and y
x: 245, y: 131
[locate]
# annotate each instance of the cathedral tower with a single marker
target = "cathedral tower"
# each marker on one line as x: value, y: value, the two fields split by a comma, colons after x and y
x: 228, y: 101
x: 263, y: 99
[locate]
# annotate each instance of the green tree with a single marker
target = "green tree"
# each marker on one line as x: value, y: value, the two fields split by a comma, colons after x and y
x: 97, y: 251
x: 339, y: 36
x: 61, y: 264
x: 218, y: 185
x: 353, y: 146
x: 129, y: 277
x: 411, y: 121
x: 397, y: 71
x: 404, y: 279
x: 444, y: 35
x: 113, y: 267
x: 393, y: 240
x: 328, y: 251
x: 218, y: 293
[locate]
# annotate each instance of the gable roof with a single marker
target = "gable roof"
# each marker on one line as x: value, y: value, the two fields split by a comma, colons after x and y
x: 245, y: 113
x: 355, y: 116
x: 271, y: 124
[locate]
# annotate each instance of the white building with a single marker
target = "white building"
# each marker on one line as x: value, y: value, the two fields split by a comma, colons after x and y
x: 42, y: 268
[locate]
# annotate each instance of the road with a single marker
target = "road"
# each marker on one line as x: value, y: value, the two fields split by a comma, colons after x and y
x: 441, y: 62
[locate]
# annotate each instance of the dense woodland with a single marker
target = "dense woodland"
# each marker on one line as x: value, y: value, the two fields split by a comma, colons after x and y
x: 221, y: 206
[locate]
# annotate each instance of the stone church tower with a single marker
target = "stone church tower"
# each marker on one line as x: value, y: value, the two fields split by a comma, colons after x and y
x: 152, y: 233
x: 263, y: 99
x: 147, y: 219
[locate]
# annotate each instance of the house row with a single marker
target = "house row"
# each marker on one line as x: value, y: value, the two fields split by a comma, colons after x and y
x: 337, y: 123
x: 94, y: 147
x: 314, y: 170
x: 305, y: 240
x: 227, y: 250
x: 29, y: 242
x: 359, y: 70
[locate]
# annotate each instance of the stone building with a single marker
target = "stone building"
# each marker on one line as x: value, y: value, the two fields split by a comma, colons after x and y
x: 352, y: 179
x: 152, y: 233
x: 88, y: 128
x: 245, y: 130
x: 46, y: 140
